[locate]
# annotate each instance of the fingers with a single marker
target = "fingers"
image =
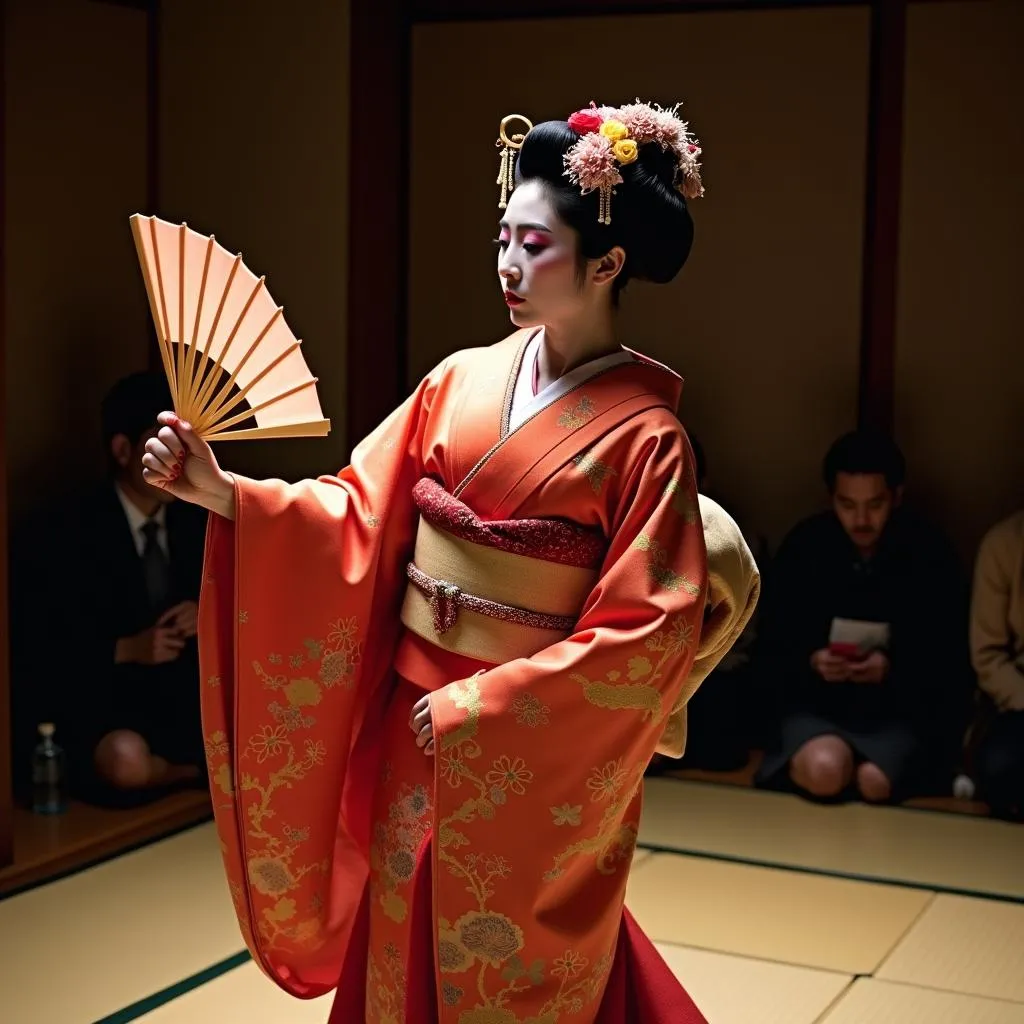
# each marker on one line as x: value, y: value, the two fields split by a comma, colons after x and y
x: 424, y: 732
x: 156, y: 479
x: 835, y: 669
x: 170, y: 614
x: 420, y: 713
x: 167, y: 647
x: 421, y: 725
x: 158, y: 459
x: 172, y: 442
x: 168, y: 635
x: 190, y: 440
x: 182, y: 620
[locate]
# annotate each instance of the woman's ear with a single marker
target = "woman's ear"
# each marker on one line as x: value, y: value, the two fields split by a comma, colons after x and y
x: 609, y: 266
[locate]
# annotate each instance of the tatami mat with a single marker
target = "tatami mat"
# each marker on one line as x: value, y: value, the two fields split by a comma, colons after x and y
x: 244, y: 994
x: 964, y: 945
x: 83, y: 947
x: 879, y: 1002
x: 728, y: 989
x: 737, y: 990
x: 802, y: 919
x: 750, y: 943
x: 930, y: 849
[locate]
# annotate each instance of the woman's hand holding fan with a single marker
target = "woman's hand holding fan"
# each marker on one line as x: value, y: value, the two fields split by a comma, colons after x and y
x: 180, y: 462
x: 235, y: 368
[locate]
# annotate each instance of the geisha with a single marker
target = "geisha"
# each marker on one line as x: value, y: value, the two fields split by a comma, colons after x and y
x: 432, y: 682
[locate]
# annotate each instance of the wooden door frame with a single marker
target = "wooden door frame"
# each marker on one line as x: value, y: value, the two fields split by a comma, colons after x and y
x: 6, y: 737
x: 880, y: 273
x: 377, y: 301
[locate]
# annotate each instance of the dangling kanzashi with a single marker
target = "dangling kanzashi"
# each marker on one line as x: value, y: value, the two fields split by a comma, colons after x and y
x: 610, y: 138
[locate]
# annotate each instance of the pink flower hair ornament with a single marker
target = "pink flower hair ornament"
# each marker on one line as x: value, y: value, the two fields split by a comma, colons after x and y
x: 611, y: 137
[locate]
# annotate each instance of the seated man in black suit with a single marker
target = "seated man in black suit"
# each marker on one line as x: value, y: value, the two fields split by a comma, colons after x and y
x: 863, y: 639
x: 116, y: 575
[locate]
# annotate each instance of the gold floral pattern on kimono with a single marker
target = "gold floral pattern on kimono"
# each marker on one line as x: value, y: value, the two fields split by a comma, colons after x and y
x: 638, y: 690
x: 597, y: 473
x: 683, y: 501
x: 386, y: 986
x: 394, y: 847
x: 274, y: 759
x: 659, y: 568
x: 576, y: 416
x: 529, y: 710
x: 482, y: 955
x: 614, y: 841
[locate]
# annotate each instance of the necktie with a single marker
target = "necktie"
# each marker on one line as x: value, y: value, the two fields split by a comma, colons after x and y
x: 155, y: 566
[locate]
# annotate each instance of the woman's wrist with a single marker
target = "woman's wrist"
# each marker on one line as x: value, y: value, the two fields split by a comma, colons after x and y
x: 223, y: 499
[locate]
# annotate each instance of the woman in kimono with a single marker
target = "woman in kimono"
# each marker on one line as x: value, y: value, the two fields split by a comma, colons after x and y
x: 432, y: 682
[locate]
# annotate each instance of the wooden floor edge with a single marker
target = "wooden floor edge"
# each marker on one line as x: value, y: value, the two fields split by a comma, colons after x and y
x: 17, y: 878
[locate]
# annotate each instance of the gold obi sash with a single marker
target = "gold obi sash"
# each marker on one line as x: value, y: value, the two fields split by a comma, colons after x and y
x: 487, y: 603
x: 494, y: 603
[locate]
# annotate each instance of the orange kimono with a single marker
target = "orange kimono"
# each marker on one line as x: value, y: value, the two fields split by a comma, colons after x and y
x: 546, y: 586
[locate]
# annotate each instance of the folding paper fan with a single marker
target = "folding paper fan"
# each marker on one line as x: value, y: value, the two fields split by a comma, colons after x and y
x: 228, y: 354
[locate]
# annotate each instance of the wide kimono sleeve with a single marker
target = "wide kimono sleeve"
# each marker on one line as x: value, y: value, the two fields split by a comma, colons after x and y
x: 298, y: 615
x: 540, y: 760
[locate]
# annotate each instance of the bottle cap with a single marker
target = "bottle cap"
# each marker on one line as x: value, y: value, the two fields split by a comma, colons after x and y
x: 46, y: 729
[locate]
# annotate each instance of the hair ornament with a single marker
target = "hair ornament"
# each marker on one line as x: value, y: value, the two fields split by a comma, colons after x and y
x: 611, y: 137
x: 509, y: 146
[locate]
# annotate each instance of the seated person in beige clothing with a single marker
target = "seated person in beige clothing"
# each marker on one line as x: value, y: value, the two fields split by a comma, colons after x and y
x: 997, y: 653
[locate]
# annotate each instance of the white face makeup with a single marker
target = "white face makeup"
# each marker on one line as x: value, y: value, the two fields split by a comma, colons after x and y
x: 537, y: 261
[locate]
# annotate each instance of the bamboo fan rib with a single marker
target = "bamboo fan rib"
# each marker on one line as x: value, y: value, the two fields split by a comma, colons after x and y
x: 228, y: 353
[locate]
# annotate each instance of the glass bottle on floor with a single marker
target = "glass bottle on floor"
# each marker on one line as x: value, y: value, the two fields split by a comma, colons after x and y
x: 48, y: 795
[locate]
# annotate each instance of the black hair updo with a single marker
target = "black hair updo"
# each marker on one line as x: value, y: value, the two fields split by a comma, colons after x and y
x: 649, y: 215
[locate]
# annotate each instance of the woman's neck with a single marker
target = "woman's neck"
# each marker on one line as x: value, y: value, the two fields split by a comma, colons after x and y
x: 563, y: 350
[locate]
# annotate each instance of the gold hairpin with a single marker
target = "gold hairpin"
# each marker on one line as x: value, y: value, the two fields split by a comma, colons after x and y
x: 509, y: 146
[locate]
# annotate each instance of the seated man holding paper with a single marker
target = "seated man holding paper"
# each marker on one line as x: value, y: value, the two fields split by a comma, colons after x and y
x: 863, y: 638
